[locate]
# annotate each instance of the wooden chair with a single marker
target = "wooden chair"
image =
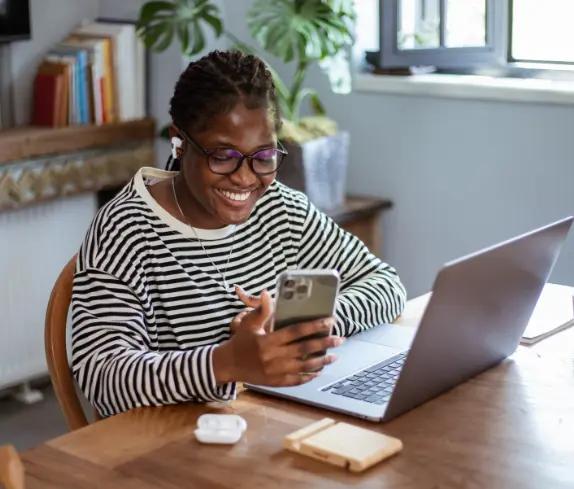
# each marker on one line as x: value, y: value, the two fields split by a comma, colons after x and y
x: 11, y: 468
x: 56, y: 351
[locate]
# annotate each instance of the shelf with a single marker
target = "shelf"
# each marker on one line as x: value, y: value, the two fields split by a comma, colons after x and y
x: 356, y: 207
x: 29, y: 142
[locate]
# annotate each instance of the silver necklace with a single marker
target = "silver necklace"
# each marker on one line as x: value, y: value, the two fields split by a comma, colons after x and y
x: 225, y: 285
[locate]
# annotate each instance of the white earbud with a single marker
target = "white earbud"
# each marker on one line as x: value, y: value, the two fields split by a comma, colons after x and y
x: 175, y: 144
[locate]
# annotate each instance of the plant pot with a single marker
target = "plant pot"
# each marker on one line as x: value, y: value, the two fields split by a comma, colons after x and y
x: 318, y: 168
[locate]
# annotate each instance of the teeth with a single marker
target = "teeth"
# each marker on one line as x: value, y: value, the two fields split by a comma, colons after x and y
x: 235, y: 196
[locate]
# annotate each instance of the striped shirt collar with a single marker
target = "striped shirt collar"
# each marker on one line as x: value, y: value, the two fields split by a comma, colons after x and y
x: 146, y: 174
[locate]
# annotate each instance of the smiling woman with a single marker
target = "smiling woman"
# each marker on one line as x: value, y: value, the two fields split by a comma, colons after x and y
x: 172, y: 291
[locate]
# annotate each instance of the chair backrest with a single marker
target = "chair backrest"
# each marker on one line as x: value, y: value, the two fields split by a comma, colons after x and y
x: 11, y: 468
x: 56, y: 351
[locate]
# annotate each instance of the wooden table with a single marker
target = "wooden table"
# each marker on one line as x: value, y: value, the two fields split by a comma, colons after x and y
x: 510, y: 427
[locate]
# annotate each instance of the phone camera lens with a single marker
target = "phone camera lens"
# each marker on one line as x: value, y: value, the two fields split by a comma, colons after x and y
x: 288, y: 294
x: 302, y: 289
x: 289, y: 283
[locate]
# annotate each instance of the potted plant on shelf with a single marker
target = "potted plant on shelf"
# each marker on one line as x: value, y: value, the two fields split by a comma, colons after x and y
x: 302, y: 32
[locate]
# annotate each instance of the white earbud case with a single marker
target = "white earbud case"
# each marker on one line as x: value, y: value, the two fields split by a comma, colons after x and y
x: 220, y: 428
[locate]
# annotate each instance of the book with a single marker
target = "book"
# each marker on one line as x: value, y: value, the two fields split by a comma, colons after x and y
x: 81, y: 85
x: 554, y: 312
x: 47, y: 97
x: 62, y: 102
x: 96, y: 69
x: 140, y: 65
x: 73, y: 116
x: 108, y: 85
x: 124, y: 41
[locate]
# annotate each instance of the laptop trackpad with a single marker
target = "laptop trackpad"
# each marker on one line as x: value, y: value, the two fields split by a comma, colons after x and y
x: 391, y: 335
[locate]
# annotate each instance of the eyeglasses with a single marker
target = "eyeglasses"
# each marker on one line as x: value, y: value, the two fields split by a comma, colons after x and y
x: 225, y: 161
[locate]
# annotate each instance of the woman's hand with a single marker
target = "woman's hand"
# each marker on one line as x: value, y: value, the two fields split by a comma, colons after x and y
x: 278, y: 358
x: 253, y: 303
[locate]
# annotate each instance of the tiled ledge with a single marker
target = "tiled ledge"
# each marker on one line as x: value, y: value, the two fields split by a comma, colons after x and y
x: 33, y: 181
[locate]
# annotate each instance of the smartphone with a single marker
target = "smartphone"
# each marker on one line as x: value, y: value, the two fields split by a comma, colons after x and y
x: 305, y: 295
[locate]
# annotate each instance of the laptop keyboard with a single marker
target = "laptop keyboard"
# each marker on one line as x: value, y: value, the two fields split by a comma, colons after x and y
x: 374, y: 384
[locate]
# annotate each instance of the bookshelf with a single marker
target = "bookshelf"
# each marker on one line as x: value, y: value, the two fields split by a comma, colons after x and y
x: 38, y: 163
x: 32, y: 141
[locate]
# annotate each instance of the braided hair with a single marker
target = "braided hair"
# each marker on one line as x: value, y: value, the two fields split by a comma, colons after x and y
x: 215, y: 84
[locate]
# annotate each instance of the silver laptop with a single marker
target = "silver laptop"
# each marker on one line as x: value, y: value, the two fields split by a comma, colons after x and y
x: 477, y: 313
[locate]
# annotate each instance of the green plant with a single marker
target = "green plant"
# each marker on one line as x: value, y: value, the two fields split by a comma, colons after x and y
x: 299, y: 31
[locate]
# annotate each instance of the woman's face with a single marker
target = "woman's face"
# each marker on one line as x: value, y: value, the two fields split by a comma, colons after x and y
x: 212, y: 200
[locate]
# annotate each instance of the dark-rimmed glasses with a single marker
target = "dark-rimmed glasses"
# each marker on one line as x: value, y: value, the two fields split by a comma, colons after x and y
x: 225, y: 161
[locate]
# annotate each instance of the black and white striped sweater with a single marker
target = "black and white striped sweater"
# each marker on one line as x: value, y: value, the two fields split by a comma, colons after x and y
x: 149, y: 306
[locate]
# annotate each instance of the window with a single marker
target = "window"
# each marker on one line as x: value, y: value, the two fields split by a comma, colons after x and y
x: 542, y: 31
x: 462, y: 34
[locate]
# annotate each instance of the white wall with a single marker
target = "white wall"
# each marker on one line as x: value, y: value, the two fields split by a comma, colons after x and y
x: 462, y: 174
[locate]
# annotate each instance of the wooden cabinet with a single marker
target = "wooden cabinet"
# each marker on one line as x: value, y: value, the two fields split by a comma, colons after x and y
x: 361, y: 216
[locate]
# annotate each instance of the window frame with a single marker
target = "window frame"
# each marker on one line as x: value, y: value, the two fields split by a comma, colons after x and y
x: 495, y: 53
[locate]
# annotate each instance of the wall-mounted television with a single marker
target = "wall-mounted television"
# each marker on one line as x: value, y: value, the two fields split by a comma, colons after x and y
x: 14, y: 20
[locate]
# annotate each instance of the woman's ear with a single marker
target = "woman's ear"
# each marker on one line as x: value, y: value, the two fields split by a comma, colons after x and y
x: 173, y: 131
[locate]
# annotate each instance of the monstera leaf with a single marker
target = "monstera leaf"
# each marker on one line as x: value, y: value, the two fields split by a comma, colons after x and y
x: 303, y: 31
x: 308, y: 30
x: 160, y: 21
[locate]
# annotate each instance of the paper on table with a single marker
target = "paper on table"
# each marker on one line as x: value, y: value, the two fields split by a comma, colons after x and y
x: 553, y: 313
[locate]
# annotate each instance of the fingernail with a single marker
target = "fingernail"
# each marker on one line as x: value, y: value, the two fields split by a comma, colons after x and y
x: 330, y: 359
x: 339, y: 341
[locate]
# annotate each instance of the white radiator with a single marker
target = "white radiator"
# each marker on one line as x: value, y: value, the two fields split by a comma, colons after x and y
x: 35, y: 243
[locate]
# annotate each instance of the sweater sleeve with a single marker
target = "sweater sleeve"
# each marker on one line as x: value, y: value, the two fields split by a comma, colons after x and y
x: 371, y: 292
x: 114, y: 359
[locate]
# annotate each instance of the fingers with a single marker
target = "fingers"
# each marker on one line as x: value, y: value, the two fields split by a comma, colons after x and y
x: 234, y: 326
x: 294, y: 379
x: 262, y: 314
x: 298, y: 331
x: 248, y: 300
x: 269, y: 325
x: 303, y: 349
x: 295, y: 372
x: 263, y: 304
x: 266, y: 306
x: 257, y: 319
